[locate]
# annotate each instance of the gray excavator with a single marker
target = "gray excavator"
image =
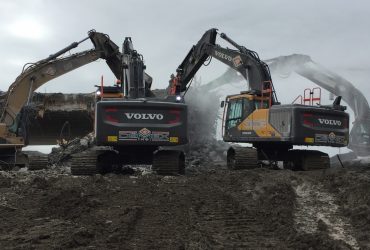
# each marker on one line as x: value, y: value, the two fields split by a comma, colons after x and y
x: 16, y: 107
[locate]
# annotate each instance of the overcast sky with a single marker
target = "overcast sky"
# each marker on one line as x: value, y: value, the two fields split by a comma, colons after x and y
x: 334, y: 33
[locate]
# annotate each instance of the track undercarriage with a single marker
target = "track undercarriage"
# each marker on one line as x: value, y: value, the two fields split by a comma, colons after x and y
x: 250, y: 158
x: 37, y: 161
x: 11, y: 159
x: 102, y: 160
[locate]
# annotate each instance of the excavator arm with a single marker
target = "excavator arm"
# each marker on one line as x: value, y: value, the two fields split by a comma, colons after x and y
x: 21, y: 90
x: 108, y: 51
x: 242, y: 60
x: 197, y: 55
x: 37, y: 74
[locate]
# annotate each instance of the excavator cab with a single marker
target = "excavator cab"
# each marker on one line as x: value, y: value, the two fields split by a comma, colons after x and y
x: 114, y: 91
x: 239, y: 107
x: 108, y: 92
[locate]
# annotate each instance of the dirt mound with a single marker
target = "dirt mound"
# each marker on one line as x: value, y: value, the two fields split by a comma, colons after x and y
x: 210, y: 209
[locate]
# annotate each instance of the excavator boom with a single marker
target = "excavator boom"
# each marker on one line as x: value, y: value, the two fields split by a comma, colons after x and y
x: 37, y: 74
x: 242, y: 60
x: 255, y: 116
x: 21, y: 90
x: 195, y: 58
x: 15, y: 112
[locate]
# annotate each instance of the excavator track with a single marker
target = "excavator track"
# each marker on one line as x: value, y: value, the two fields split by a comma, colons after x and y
x: 84, y: 163
x: 169, y: 162
x: 242, y: 158
x: 10, y: 159
x: 37, y: 162
x: 307, y: 160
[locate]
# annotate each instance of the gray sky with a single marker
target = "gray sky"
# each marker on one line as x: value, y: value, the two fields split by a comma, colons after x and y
x: 334, y: 33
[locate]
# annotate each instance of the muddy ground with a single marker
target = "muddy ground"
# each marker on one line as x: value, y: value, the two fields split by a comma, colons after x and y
x: 208, y: 208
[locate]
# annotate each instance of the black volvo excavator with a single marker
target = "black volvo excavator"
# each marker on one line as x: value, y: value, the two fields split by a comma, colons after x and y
x: 132, y: 125
x: 130, y: 128
x: 255, y: 116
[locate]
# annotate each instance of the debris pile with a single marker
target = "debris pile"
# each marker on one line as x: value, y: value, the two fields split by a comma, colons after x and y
x: 60, y: 155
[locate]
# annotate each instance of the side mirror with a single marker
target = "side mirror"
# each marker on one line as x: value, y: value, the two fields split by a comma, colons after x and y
x: 222, y: 104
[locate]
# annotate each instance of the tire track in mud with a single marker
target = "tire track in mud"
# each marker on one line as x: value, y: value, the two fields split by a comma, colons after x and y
x: 223, y: 221
x: 163, y: 220
x: 153, y: 232
x: 315, y: 208
x: 247, y: 209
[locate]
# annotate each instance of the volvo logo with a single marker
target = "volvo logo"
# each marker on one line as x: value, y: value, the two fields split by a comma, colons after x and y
x: 143, y: 116
x: 223, y: 56
x: 330, y: 122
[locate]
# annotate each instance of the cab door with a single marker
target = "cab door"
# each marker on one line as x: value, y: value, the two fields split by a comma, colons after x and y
x: 237, y: 109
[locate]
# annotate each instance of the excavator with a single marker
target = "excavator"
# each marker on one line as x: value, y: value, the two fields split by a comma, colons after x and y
x: 303, y: 65
x: 133, y: 126
x: 255, y: 115
x: 140, y: 126
x: 17, y: 107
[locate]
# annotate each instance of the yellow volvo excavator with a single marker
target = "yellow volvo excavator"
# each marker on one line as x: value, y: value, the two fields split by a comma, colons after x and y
x: 255, y: 116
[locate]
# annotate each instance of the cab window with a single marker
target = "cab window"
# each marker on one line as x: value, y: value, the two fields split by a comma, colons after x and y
x: 261, y: 105
x: 238, y: 109
x: 234, y: 113
x: 248, y: 107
